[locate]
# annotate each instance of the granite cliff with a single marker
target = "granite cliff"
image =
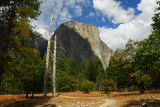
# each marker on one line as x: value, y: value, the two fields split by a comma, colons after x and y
x: 80, y: 39
x: 40, y: 44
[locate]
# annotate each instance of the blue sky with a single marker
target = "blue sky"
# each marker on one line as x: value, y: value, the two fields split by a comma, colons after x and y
x: 117, y: 20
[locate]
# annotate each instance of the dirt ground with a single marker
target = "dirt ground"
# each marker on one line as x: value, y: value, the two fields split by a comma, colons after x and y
x: 150, y: 98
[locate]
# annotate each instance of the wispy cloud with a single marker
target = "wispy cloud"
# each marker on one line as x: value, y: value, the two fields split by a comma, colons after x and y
x: 78, y: 10
x: 103, y: 19
x: 61, y: 14
x: 91, y: 14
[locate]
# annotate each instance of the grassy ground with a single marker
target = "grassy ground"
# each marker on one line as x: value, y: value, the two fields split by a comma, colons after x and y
x: 93, y: 99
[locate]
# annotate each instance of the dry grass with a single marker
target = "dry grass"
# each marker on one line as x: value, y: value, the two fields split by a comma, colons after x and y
x: 72, y: 97
x: 14, y: 100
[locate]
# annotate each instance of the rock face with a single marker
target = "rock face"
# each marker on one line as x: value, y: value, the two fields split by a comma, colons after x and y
x: 39, y: 43
x: 80, y: 39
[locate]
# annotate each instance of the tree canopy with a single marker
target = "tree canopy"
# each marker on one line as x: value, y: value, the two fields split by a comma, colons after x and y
x: 16, y: 30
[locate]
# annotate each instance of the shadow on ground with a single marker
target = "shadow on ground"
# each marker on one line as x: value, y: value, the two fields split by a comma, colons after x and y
x: 35, y: 102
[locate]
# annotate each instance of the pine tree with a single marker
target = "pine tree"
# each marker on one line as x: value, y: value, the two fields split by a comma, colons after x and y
x: 15, y: 29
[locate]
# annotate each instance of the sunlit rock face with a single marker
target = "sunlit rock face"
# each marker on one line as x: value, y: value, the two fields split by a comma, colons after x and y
x: 82, y: 40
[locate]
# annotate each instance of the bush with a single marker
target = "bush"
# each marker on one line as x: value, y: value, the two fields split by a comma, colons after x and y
x: 65, y: 82
x: 107, y: 85
x: 87, y: 86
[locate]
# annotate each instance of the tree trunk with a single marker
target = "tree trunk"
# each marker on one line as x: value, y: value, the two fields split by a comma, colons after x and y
x: 6, y: 88
x: 26, y: 93
x: 1, y: 73
x: 99, y: 88
x: 141, y: 87
x: 54, y: 67
x: 32, y: 95
x: 22, y: 92
x: 47, y: 60
x: 1, y: 69
x: 77, y: 83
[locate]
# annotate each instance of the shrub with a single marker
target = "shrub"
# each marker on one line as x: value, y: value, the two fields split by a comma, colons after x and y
x: 87, y: 86
x: 107, y: 85
x: 65, y: 82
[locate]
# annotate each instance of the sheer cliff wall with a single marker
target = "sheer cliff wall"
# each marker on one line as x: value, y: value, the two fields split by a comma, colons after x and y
x: 80, y: 39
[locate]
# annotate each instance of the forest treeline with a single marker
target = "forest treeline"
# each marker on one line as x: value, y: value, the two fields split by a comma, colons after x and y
x: 69, y: 77
x: 137, y: 67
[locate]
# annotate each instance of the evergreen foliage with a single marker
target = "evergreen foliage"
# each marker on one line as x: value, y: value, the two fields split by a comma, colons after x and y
x: 87, y: 86
x: 107, y: 85
x: 120, y: 66
x: 16, y: 31
x: 65, y: 82
x: 24, y: 76
x: 94, y: 69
